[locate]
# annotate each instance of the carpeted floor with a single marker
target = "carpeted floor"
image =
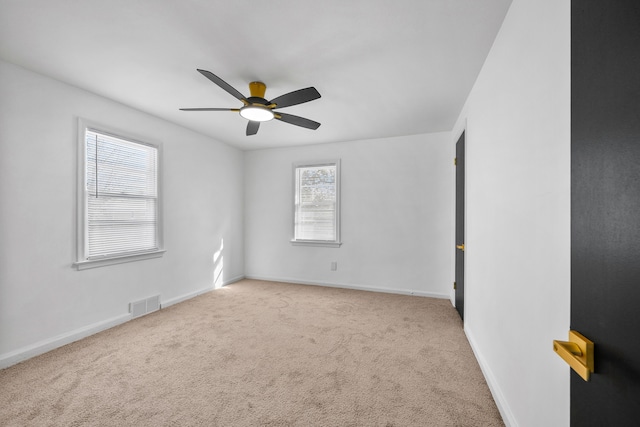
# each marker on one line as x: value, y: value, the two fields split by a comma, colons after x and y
x: 262, y: 354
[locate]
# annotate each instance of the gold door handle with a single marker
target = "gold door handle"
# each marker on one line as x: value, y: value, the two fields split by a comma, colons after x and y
x: 577, y: 352
x: 461, y: 247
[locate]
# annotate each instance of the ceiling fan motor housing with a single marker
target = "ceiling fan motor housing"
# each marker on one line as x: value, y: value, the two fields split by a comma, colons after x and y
x: 257, y: 100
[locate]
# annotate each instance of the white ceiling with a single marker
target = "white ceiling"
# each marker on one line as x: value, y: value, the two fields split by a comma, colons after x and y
x: 384, y: 68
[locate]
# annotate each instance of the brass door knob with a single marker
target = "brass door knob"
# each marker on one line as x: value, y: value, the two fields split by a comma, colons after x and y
x: 461, y: 247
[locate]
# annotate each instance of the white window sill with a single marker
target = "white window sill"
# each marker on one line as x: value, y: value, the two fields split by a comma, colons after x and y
x: 93, y: 263
x: 319, y: 243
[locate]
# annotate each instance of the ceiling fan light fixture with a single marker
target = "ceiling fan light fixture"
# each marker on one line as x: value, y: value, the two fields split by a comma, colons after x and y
x: 256, y: 113
x: 257, y: 109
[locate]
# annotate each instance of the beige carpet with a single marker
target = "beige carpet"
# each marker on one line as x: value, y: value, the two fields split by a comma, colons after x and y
x: 262, y: 354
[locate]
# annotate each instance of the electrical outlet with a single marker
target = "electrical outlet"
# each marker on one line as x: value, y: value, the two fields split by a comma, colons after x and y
x: 334, y: 265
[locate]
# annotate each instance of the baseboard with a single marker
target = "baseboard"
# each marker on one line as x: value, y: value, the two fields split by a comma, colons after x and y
x: 350, y: 286
x: 496, y: 391
x: 233, y: 280
x: 41, y: 347
x: 181, y: 298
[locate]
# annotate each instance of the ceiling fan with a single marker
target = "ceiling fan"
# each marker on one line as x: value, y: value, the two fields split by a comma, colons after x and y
x: 256, y: 109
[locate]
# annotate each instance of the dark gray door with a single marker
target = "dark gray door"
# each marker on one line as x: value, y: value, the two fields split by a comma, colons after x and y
x: 460, y: 226
x: 605, y: 208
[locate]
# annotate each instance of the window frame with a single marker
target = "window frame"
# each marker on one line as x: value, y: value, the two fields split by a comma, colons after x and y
x: 82, y: 245
x: 320, y: 243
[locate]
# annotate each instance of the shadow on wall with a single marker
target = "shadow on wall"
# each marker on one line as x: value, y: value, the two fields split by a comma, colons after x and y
x: 218, y: 266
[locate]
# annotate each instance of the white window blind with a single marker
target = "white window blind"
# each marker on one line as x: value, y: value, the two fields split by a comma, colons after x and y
x: 316, y: 215
x: 121, y: 196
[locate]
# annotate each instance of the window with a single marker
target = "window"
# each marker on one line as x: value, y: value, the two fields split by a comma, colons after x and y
x: 118, y: 199
x: 317, y: 204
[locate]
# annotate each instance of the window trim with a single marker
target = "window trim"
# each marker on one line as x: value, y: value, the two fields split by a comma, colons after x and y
x: 82, y: 263
x: 318, y: 243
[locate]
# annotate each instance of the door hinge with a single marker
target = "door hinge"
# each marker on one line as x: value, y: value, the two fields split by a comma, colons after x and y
x: 455, y: 161
x: 455, y: 285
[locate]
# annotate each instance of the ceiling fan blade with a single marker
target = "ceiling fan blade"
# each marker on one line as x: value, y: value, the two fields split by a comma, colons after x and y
x: 298, y: 121
x: 252, y: 128
x: 209, y: 109
x: 224, y: 85
x: 296, y: 97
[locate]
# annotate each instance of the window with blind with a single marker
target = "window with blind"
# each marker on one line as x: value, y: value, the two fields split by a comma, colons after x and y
x: 317, y: 203
x: 118, y: 198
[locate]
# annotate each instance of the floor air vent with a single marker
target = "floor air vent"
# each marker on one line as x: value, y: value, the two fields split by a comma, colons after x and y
x: 142, y: 307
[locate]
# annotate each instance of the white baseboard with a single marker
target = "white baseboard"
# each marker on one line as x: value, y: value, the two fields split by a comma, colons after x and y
x: 351, y: 286
x: 233, y: 280
x: 496, y: 391
x: 181, y: 298
x: 41, y: 347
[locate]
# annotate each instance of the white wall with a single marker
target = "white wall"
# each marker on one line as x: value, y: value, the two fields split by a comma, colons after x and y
x: 396, y: 216
x: 518, y: 213
x: 43, y: 301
